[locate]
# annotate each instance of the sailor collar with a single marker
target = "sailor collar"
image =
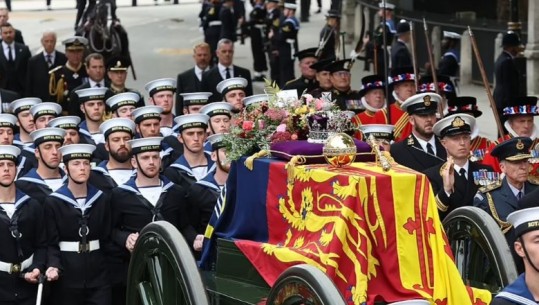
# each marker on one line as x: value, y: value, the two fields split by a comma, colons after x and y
x: 34, y: 177
x: 209, y: 181
x: 131, y: 185
x: 181, y: 163
x: 64, y: 193
x: 518, y: 292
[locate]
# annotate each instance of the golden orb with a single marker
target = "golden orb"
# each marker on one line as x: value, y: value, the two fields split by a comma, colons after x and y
x: 340, y: 150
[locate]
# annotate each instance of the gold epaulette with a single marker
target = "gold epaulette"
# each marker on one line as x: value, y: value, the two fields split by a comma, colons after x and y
x: 55, y: 69
x: 490, y: 187
x: 504, y: 225
x: 533, y: 179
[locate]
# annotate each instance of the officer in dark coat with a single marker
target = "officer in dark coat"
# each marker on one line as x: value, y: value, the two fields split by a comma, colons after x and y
x: 228, y: 20
x: 63, y: 79
x: 501, y: 198
x: 329, y: 35
x: 323, y: 79
x: 506, y: 74
x: 257, y: 29
x: 341, y: 79
x: 450, y: 62
x: 422, y: 149
x: 24, y: 245
x: 273, y: 23
x: 520, y: 291
x: 288, y: 42
x: 145, y: 198
x: 211, y: 24
x: 307, y: 81
x: 453, y: 182
x: 400, y: 55
x: 117, y: 67
x: 116, y: 169
x: 40, y: 182
x: 194, y: 163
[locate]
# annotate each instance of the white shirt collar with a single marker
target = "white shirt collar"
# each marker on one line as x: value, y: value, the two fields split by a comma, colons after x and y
x: 198, y: 72
x: 465, y: 166
x: 222, y: 70
x: 52, y: 54
x: 5, y: 45
x: 423, y: 144
x: 515, y: 190
x: 93, y: 83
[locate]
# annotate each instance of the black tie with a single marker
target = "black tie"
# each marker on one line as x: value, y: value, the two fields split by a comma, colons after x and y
x: 98, y: 85
x: 429, y: 149
x: 462, y: 173
x: 227, y: 73
x: 10, y: 56
x: 49, y: 60
x: 519, y: 195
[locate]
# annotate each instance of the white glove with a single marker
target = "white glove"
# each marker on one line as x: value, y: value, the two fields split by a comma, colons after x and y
x: 353, y: 54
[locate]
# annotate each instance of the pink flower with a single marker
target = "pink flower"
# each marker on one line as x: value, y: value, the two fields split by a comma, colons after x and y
x: 319, y: 104
x: 281, y: 128
x: 261, y: 124
x: 248, y: 125
x: 308, y: 98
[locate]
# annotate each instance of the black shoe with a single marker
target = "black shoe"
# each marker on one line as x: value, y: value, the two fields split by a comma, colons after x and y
x: 318, y: 11
x: 259, y: 78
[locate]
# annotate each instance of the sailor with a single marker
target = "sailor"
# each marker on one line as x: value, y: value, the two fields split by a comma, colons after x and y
x: 323, y: 80
x: 146, y: 197
x: 373, y: 100
x: 468, y: 105
x: 78, y: 222
x: 422, y: 149
x: 523, y: 290
x: 121, y: 105
x: 211, y: 24
x: 161, y: 92
x: 21, y: 109
x: 255, y: 100
x: 24, y: 245
x: 519, y: 123
x: 288, y: 42
x: 402, y: 86
x: 192, y: 102
x: 382, y: 133
x: 194, y: 164
x: 220, y: 114
x: 40, y: 182
x: 65, y: 78
x: 117, y: 168
x: 25, y: 158
x: 500, y: 199
x: 453, y: 182
x: 70, y: 124
x: 147, y: 120
x: 42, y: 113
x: 375, y: 48
x: 257, y: 28
x: 117, y: 67
x: 329, y: 35
x: 233, y: 92
x: 450, y: 62
x: 341, y: 80
x: 92, y: 104
x: 203, y: 194
x: 307, y: 80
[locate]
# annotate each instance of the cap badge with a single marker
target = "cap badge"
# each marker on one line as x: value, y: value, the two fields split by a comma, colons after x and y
x: 458, y: 122
x: 426, y: 100
x: 520, y: 145
x: 118, y: 63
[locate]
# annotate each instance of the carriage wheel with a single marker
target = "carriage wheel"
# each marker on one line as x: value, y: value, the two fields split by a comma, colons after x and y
x: 162, y: 270
x: 304, y: 284
x: 480, y: 248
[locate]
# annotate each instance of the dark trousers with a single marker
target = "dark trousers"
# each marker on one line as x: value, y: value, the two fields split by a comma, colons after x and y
x: 8, y: 5
x: 211, y: 37
x: 305, y: 7
x: 319, y: 2
x: 275, y: 75
x: 286, y: 66
x: 119, y: 295
x: 28, y: 301
x: 257, y: 44
x: 81, y: 296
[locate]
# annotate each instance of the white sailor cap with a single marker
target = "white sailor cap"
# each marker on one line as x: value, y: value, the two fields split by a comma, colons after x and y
x: 123, y: 99
x: 422, y: 103
x: 115, y: 125
x: 389, y: 6
x: 452, y: 35
x: 195, y: 120
x: 77, y: 151
x: 217, y: 108
x: 145, y: 144
x: 46, y: 108
x: 378, y: 131
x: 23, y: 104
x: 48, y: 134
x: 91, y: 94
x: 290, y: 4
x: 195, y: 98
x: 454, y: 124
x: 75, y: 43
x: 9, y: 152
x: 216, y: 141
x: 146, y: 113
x: 65, y: 122
x: 524, y: 220
x: 231, y: 84
x: 8, y: 120
x: 253, y: 99
x: 162, y: 84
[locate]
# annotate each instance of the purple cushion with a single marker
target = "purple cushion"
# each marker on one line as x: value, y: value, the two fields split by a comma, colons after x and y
x: 304, y: 148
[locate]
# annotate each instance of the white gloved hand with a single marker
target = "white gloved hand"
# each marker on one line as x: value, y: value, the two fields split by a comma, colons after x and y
x: 353, y: 54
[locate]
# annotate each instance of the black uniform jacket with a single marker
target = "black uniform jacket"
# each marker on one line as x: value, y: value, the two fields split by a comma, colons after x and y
x: 64, y: 218
x: 100, y: 178
x: 180, y: 171
x: 301, y: 84
x: 37, y: 76
x: 212, y: 77
x: 29, y: 220
x: 33, y: 185
x: 409, y: 153
x: 131, y: 212
x: 201, y: 200
x: 464, y: 188
x: 506, y: 75
x: 186, y: 82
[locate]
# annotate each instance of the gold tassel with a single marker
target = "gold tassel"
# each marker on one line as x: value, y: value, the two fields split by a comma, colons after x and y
x: 249, y: 162
x: 291, y: 167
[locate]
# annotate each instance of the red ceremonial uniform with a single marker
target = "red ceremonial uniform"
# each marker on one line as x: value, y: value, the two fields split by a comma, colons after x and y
x: 399, y: 118
x: 366, y: 118
x: 479, y: 148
